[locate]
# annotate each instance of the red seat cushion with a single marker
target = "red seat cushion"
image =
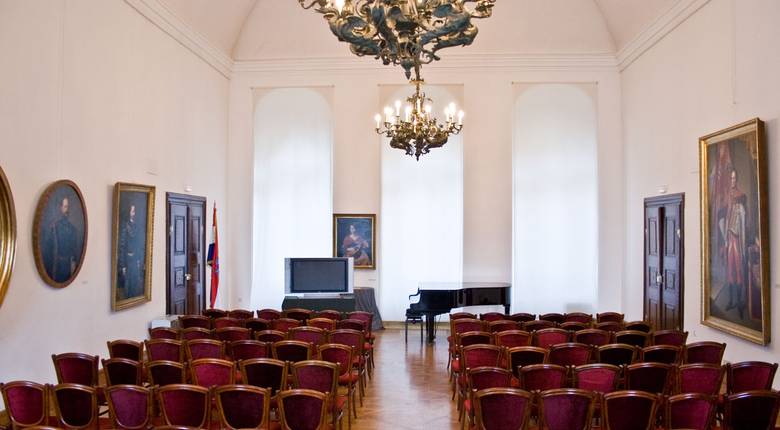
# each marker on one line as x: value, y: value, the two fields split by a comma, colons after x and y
x: 456, y: 365
x: 349, y: 378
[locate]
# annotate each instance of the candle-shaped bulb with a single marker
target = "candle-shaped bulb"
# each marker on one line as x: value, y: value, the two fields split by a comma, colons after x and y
x: 408, y: 112
x: 428, y: 109
x: 378, y: 119
x: 398, y: 108
x: 460, y: 117
x: 339, y: 4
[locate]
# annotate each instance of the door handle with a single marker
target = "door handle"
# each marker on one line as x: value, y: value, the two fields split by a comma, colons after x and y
x: 188, y: 277
x: 658, y: 279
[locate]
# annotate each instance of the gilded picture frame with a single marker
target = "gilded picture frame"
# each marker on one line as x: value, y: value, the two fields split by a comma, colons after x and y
x: 60, y: 233
x: 354, y: 235
x: 131, y: 245
x: 7, y: 234
x: 735, y: 231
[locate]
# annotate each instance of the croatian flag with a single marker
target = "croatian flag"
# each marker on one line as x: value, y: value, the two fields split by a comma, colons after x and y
x: 213, y: 258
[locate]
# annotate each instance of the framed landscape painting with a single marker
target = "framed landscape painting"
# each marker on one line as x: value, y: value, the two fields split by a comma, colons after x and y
x: 734, y: 231
x: 355, y: 236
x: 131, y: 256
x: 60, y: 233
x: 7, y: 234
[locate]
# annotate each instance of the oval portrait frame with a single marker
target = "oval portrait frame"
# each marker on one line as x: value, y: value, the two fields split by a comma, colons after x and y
x: 7, y: 234
x: 42, y: 204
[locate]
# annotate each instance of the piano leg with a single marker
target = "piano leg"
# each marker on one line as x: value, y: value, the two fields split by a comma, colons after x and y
x: 430, y: 326
x: 506, y: 310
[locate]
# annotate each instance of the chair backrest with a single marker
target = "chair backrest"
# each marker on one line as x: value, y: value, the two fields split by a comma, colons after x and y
x: 240, y: 314
x: 291, y: 350
x: 284, y: 324
x: 580, y: 317
x: 313, y: 335
x: 521, y: 356
x: 329, y: 314
x: 297, y: 314
x: 211, y: 372
x: 194, y: 333
x: 492, y: 316
x: 704, y: 352
x: 352, y: 324
x: 164, y: 349
x: 270, y: 336
x: 618, y: 354
x: 749, y: 376
x: 474, y: 338
x: 535, y: 325
x: 574, y: 326
x: 243, y: 406
x: 542, y: 377
x: 462, y: 315
x: 693, y: 411
x: 229, y: 334
x: 553, y: 317
x: 593, y: 336
x: 269, y: 314
x: 463, y: 325
x: 632, y: 337
x: 670, y: 337
x: 204, y: 348
x: 224, y: 322
x: 26, y: 403
x: 550, y: 336
x: 164, y: 333
x: 185, y: 405
x: 513, y: 338
x: 751, y: 410
x: 701, y: 378
x: 246, y: 349
x: 480, y: 355
x: 643, y: 326
x: 366, y: 317
x: 650, y: 377
x: 264, y: 373
x: 502, y: 325
x: 522, y: 317
x: 75, y: 405
x: 214, y: 313
x: 352, y: 338
x: 257, y: 324
x: 302, y: 409
x: 566, y: 409
x: 599, y: 377
x: 187, y: 321
x: 122, y: 371
x: 502, y: 409
x: 611, y: 326
x: 130, y: 406
x: 668, y: 354
x: 629, y: 410
x: 323, y: 323
x: 76, y: 368
x: 481, y: 378
x: 609, y: 317
x: 570, y: 354
x: 337, y: 353
x: 123, y: 348
x: 317, y: 375
x: 164, y: 372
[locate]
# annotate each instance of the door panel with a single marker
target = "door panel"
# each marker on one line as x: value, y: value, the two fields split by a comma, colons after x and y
x: 185, y: 259
x: 652, y: 265
x: 672, y: 295
x: 177, y: 291
x: 663, y: 284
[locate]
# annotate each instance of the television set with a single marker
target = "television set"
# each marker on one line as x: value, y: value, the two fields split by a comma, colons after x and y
x: 318, y: 276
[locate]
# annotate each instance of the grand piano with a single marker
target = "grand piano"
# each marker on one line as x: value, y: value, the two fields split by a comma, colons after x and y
x: 436, y: 298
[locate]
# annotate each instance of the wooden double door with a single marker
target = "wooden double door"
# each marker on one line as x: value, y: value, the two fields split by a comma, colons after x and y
x: 663, y: 274
x: 186, y: 257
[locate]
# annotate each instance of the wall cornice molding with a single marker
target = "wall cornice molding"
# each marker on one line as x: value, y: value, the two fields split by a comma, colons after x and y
x: 657, y: 30
x: 158, y: 14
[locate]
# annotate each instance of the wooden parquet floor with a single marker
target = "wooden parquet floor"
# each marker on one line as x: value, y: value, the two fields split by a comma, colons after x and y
x: 409, y: 389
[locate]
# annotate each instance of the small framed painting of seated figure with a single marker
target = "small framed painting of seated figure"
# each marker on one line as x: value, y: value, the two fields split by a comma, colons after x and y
x: 354, y: 236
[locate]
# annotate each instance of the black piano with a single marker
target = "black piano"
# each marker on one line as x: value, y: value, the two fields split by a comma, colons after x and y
x: 438, y: 298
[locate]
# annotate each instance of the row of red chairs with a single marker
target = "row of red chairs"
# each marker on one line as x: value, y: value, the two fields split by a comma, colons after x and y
x: 554, y: 317
x: 253, y: 325
x: 271, y: 314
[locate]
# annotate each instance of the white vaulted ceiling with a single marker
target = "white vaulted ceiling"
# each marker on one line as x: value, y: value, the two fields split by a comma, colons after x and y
x: 271, y: 29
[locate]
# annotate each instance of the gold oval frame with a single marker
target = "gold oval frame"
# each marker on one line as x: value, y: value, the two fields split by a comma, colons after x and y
x: 7, y: 234
x: 42, y: 202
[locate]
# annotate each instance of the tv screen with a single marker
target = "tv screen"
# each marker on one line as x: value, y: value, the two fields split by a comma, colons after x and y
x: 318, y: 275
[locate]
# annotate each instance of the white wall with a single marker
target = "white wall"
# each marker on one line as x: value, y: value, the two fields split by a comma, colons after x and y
x: 718, y: 68
x: 96, y: 101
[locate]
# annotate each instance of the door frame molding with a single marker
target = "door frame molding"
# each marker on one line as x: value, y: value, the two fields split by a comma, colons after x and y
x: 183, y: 198
x: 660, y: 201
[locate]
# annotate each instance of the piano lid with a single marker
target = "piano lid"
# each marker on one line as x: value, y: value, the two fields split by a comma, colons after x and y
x: 449, y: 286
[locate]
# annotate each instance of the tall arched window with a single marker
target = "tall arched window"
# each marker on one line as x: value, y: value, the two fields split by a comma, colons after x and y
x: 555, y: 243
x: 292, y: 185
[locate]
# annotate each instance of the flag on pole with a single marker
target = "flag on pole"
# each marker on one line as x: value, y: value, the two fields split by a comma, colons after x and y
x: 213, y: 258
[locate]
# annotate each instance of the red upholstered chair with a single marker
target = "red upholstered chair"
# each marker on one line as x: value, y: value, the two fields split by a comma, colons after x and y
x: 502, y: 325
x: 475, y: 338
x: 163, y: 372
x: 75, y: 406
x: 270, y: 336
x: 185, y: 405
x: 550, y: 336
x: 574, y: 326
x: 704, y: 352
x: 303, y: 410
x: 462, y: 315
x: 298, y: 314
x: 130, y: 406
x: 76, y: 368
x: 269, y: 314
x: 225, y: 322
x: 531, y: 326
x: 229, y: 334
x: 204, y: 348
x: 593, y: 336
x: 265, y: 373
x: 243, y: 407
x: 579, y: 317
x: 214, y: 313
x: 459, y: 326
x: 669, y: 337
x: 512, y: 338
x: 26, y: 403
x: 566, y: 409
x: 284, y: 324
x: 541, y: 377
x: 211, y: 372
x: 599, y: 377
x: 291, y: 350
x: 164, y: 333
x: 610, y: 326
x: 367, y: 318
x: 348, y: 377
x: 693, y: 411
x: 352, y: 324
x: 630, y: 410
x: 313, y: 335
x: 749, y: 376
x: 553, y: 317
x: 246, y: 349
x: 643, y: 326
x: 187, y: 321
x: 522, y: 356
x: 502, y: 409
x: 482, y: 378
x: 751, y: 410
x: 240, y: 314
x: 522, y: 317
x: 668, y: 354
x: 121, y: 371
x: 618, y: 354
x: 328, y: 314
x: 632, y: 337
x: 164, y: 349
x: 323, y: 323
x: 194, y: 333
x: 609, y: 317
x: 257, y: 324
x: 492, y: 316
x: 701, y: 378
x: 322, y: 376
x: 355, y: 340
x: 654, y: 378
x: 570, y: 354
x: 128, y: 349
x: 471, y: 357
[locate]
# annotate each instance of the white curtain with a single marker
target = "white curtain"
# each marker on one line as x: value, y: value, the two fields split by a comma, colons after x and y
x: 292, y: 185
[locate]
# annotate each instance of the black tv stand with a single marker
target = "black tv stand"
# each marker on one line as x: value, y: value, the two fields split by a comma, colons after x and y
x: 342, y: 302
